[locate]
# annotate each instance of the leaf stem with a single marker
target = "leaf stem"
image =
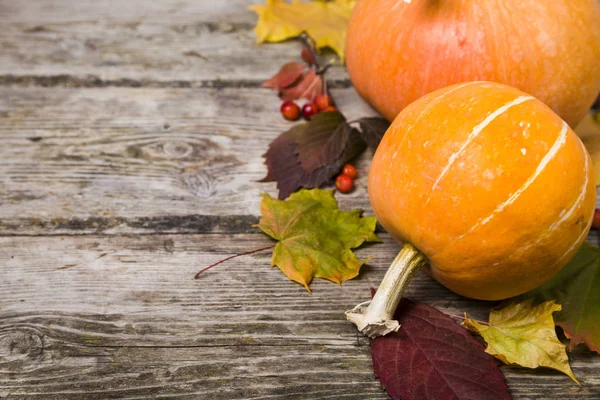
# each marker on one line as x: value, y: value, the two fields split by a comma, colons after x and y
x: 232, y: 257
x: 311, y: 46
x: 463, y: 318
x: 375, y: 318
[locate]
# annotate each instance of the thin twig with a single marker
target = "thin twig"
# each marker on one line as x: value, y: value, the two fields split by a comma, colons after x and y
x: 231, y: 257
x: 310, y: 45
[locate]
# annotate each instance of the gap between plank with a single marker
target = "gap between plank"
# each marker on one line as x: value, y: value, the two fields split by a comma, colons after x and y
x: 94, y: 81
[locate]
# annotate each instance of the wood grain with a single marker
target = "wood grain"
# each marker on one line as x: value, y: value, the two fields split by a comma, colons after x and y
x: 140, y: 160
x: 131, y: 136
x: 174, y: 42
x: 121, y: 317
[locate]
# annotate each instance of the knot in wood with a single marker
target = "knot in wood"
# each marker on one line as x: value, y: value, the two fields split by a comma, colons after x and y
x: 200, y: 183
x: 175, y: 150
x: 20, y: 344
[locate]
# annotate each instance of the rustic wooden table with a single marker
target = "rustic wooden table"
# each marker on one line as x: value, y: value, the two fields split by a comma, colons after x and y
x: 130, y: 142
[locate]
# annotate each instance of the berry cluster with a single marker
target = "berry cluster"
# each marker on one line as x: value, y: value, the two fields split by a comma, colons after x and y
x: 345, y: 180
x: 321, y: 103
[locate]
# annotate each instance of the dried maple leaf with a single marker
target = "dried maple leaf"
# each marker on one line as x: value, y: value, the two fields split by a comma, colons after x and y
x: 577, y: 288
x: 307, y: 57
x: 289, y: 74
x: 308, y: 86
x: 306, y: 142
x: 315, y: 238
x: 523, y: 334
x: 325, y: 22
x: 432, y: 357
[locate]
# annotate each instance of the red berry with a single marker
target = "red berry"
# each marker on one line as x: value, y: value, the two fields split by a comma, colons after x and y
x: 330, y: 108
x: 290, y: 110
x: 348, y: 169
x: 344, y: 183
x: 596, y: 220
x: 308, y: 110
x: 323, y: 101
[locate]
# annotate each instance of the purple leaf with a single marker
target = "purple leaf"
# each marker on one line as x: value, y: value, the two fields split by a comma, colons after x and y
x: 432, y: 357
x: 372, y: 130
x: 324, y: 141
x: 324, y: 144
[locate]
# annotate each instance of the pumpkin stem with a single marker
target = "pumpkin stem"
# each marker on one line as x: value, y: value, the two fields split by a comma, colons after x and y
x: 375, y: 318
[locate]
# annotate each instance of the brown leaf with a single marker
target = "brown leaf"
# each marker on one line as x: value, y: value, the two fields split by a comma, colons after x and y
x: 432, y: 357
x: 353, y: 147
x: 372, y: 130
x: 309, y: 85
x: 289, y: 74
x: 323, y: 143
x: 337, y: 144
x: 307, y: 56
x: 282, y: 162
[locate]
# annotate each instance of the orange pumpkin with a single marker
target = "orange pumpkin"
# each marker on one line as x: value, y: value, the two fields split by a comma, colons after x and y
x: 398, y: 51
x: 488, y: 183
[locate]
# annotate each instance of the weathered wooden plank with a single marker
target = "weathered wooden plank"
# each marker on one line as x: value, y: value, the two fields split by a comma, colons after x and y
x: 137, y: 43
x: 78, y: 161
x: 142, y: 274
x: 121, y: 316
x: 140, y: 160
x: 246, y: 372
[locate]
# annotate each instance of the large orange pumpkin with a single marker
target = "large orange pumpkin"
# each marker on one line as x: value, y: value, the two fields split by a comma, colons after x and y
x: 398, y: 51
x: 488, y: 183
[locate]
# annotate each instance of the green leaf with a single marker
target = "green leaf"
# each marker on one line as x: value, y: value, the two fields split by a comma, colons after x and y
x: 577, y: 288
x: 315, y: 238
x: 525, y: 335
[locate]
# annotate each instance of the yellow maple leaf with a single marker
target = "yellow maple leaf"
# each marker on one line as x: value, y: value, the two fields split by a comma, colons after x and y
x: 325, y: 22
x: 523, y: 334
x: 589, y: 132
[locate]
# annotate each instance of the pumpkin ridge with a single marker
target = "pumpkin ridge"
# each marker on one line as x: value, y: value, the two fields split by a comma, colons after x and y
x: 562, y: 139
x: 558, y: 144
x: 579, y: 199
x: 576, y: 204
x: 472, y: 135
x: 430, y: 103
